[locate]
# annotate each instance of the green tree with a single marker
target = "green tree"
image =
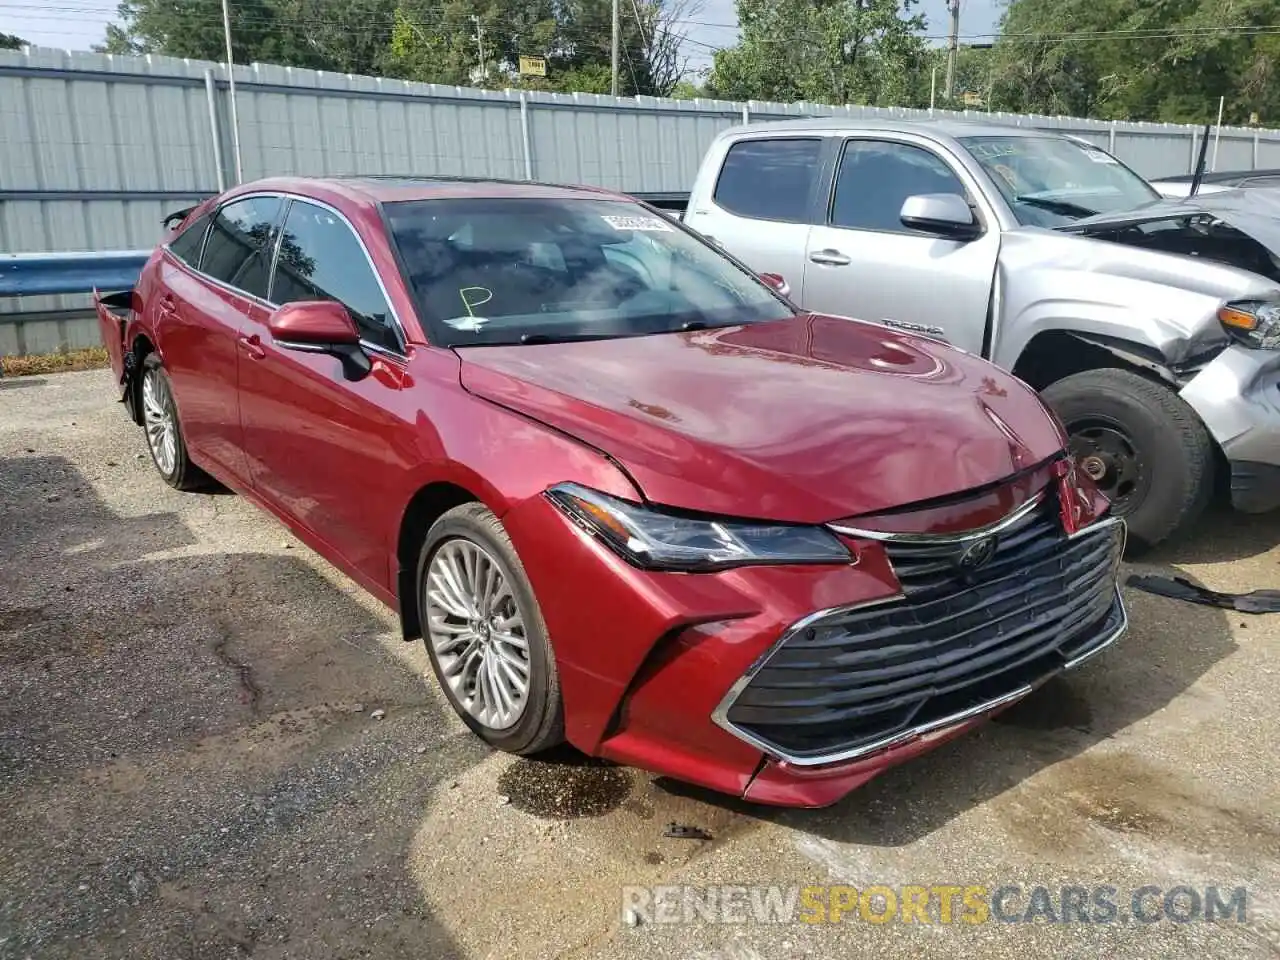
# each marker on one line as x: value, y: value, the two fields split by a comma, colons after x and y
x: 1162, y: 60
x: 836, y: 51
x: 348, y: 36
x: 440, y: 43
x: 9, y: 42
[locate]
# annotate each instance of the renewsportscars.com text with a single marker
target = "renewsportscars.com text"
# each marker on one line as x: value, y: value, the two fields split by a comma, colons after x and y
x: 934, y: 904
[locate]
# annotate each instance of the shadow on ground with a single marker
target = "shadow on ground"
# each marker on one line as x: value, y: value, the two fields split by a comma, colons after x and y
x: 1221, y: 536
x: 189, y: 765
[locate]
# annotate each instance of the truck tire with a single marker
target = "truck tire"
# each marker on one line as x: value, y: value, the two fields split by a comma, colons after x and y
x: 1144, y: 447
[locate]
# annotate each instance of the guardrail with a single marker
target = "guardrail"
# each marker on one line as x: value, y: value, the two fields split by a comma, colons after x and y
x: 38, y: 274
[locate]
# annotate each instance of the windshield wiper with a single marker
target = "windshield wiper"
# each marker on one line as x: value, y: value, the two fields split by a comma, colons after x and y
x: 693, y: 325
x: 1064, y: 207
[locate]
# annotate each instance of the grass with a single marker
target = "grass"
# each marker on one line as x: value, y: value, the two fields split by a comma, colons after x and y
x: 91, y: 358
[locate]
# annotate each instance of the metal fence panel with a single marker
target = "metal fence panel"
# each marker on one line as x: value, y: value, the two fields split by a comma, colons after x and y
x: 96, y: 149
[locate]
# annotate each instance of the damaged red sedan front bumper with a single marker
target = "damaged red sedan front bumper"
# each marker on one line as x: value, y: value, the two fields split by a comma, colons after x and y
x: 793, y: 685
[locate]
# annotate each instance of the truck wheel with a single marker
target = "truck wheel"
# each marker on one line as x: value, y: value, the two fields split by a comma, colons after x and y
x: 1144, y: 447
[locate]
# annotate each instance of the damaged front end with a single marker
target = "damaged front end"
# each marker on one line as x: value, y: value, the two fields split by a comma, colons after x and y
x: 1237, y: 391
x: 1234, y: 227
x: 1188, y: 291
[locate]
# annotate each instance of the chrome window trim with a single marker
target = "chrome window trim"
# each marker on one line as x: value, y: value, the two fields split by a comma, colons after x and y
x: 720, y: 715
x: 287, y: 199
x: 941, y: 538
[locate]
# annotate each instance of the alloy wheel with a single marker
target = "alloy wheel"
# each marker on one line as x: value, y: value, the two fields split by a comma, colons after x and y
x: 477, y: 633
x: 160, y: 421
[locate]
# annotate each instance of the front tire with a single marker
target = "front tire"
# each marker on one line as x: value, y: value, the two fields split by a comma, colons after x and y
x: 164, y: 430
x: 485, y: 635
x: 1144, y: 447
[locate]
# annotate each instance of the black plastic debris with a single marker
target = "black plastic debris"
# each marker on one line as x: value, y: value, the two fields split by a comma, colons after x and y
x: 1257, y: 601
x: 680, y: 832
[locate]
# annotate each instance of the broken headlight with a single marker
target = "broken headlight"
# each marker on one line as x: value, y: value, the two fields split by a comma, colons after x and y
x: 1252, y: 322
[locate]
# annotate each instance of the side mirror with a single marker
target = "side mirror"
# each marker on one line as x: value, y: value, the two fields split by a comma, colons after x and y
x: 778, y: 282
x: 321, y: 326
x: 942, y: 214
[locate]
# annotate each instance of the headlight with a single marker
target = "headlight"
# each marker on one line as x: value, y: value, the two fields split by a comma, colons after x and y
x: 1253, y: 323
x: 657, y: 539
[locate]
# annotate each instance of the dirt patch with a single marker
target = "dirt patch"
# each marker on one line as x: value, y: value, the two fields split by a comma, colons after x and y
x: 1125, y: 794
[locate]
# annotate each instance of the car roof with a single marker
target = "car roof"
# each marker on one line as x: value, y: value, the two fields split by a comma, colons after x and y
x: 385, y: 188
x: 946, y: 127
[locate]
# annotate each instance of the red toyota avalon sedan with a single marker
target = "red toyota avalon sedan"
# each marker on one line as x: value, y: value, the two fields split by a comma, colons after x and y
x: 630, y: 496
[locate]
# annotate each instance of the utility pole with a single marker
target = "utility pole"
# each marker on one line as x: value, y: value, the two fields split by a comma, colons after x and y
x: 484, y: 67
x: 231, y: 88
x: 953, y: 44
x: 614, y: 48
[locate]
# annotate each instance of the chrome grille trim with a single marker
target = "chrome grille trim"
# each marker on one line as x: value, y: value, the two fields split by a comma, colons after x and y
x: 1117, y: 615
x: 965, y: 536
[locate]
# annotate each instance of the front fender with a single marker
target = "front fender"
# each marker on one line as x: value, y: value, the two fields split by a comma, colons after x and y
x: 1165, y: 305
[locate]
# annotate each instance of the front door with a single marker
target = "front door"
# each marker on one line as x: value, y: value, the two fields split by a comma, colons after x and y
x: 319, y: 445
x: 862, y: 262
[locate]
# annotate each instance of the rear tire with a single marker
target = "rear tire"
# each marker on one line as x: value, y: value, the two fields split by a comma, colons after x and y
x: 485, y: 634
x: 163, y: 429
x: 1144, y: 446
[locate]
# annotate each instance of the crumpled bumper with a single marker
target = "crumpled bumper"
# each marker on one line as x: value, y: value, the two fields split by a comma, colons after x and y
x: 1238, y: 398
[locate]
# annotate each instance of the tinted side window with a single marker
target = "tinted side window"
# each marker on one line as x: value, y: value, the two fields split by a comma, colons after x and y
x: 238, y: 251
x: 321, y: 259
x: 769, y: 179
x: 876, y: 177
x: 186, y: 246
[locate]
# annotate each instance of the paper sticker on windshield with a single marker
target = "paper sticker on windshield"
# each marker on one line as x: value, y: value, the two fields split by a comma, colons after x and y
x: 1097, y: 156
x: 637, y: 223
x: 467, y: 323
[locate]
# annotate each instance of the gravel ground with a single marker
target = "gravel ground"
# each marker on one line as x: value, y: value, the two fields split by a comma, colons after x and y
x: 214, y: 745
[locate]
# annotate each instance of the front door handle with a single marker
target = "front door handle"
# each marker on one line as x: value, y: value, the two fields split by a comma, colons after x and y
x: 832, y: 258
x: 252, y: 345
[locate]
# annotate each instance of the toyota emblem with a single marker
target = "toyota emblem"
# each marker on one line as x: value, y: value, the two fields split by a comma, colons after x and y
x: 977, y: 555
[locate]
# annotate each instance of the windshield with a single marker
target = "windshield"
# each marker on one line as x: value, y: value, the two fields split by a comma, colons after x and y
x: 1049, y: 181
x: 532, y: 270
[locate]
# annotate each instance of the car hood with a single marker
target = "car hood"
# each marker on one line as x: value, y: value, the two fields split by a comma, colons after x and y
x: 1255, y: 213
x: 804, y: 420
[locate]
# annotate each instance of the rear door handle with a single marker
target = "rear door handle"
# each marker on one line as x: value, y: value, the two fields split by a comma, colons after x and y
x: 832, y: 258
x: 167, y: 306
x: 252, y: 345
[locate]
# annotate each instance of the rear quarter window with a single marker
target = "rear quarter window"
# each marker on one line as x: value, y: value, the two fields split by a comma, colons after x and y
x: 189, y: 242
x: 769, y: 179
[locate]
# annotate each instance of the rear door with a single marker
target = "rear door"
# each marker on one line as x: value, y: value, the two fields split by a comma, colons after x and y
x: 212, y: 283
x: 323, y: 449
x: 763, y: 202
x: 862, y: 262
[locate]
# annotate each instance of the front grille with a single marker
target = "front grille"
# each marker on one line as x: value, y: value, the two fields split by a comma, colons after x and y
x: 953, y: 642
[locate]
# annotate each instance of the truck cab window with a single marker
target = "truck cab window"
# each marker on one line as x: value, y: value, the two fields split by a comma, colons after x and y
x: 876, y: 176
x: 769, y: 179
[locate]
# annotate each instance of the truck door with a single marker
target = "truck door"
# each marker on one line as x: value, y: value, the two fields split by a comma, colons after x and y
x: 762, y: 202
x: 861, y: 261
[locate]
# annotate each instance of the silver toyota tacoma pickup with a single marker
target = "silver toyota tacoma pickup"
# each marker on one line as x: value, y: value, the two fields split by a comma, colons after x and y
x: 1151, y: 326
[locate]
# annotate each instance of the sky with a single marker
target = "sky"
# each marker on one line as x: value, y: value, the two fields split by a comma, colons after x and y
x: 77, y: 24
